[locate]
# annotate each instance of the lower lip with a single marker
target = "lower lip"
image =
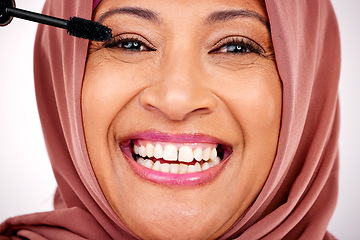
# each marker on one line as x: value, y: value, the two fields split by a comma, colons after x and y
x: 172, y: 179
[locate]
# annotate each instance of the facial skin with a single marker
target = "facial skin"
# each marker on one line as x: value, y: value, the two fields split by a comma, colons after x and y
x: 184, y: 79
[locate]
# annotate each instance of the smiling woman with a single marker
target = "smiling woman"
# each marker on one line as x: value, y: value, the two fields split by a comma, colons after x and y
x: 186, y: 70
x: 197, y: 120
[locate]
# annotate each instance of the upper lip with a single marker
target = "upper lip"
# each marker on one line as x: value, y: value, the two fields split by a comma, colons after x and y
x: 157, y: 136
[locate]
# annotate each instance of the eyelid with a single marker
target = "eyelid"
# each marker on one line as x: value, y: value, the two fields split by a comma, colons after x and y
x: 115, y: 40
x: 238, y: 39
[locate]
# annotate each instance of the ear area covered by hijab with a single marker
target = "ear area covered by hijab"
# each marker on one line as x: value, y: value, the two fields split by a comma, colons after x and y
x: 300, y: 194
x: 95, y: 3
x: 81, y: 210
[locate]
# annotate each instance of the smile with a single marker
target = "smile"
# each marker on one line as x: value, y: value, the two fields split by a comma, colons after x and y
x: 176, y: 159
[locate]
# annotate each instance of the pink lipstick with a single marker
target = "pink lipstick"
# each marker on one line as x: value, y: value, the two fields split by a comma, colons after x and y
x: 176, y: 159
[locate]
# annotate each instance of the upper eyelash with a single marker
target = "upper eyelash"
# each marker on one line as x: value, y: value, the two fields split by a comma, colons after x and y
x: 116, y: 40
x: 253, y: 47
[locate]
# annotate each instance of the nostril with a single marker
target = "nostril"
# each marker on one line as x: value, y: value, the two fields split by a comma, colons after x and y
x: 203, y: 110
x: 179, y: 101
x: 178, y: 110
x: 150, y: 107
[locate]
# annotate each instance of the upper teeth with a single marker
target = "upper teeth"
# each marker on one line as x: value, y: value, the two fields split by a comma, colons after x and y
x: 171, y: 153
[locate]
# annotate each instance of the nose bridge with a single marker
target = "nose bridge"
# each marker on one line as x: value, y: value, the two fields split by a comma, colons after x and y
x: 180, y: 71
x: 180, y: 89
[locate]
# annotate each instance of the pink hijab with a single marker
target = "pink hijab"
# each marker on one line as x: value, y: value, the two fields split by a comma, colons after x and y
x: 300, y: 194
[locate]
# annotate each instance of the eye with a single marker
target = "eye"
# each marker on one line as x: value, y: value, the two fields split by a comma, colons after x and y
x: 234, y: 48
x: 129, y: 43
x: 132, y: 45
x: 237, y: 45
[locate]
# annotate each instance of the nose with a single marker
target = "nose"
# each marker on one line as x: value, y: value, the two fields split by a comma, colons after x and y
x: 180, y: 90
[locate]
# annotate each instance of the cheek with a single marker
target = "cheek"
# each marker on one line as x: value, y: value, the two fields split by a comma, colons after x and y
x: 259, y: 108
x: 108, y: 86
x: 254, y: 98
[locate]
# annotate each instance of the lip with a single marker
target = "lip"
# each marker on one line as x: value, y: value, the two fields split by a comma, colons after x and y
x: 172, y: 179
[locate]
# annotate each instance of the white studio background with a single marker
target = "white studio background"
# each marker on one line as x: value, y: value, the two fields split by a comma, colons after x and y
x: 27, y: 184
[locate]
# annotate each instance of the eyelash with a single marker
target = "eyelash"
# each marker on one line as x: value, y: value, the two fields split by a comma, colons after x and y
x: 134, y: 41
x: 237, y: 45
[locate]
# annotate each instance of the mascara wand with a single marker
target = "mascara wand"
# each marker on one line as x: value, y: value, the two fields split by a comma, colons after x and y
x: 75, y: 26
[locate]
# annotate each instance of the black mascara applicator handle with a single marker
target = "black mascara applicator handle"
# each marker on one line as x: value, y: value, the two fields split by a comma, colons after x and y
x: 77, y: 27
x: 36, y: 17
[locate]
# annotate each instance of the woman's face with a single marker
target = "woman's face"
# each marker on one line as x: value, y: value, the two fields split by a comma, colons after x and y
x: 182, y: 113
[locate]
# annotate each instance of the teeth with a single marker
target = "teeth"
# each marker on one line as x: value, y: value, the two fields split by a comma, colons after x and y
x: 158, y: 151
x: 156, y: 166
x: 165, y: 167
x: 140, y: 161
x: 206, y: 154
x: 198, y: 153
x: 136, y: 149
x: 177, y: 168
x: 213, y: 154
x: 142, y: 151
x: 186, y: 154
x: 197, y: 167
x: 150, y: 150
x: 194, y: 168
x: 191, y: 169
x: 205, y: 166
x: 149, y: 163
x: 174, y: 168
x: 183, y: 168
x: 216, y: 161
x: 170, y: 152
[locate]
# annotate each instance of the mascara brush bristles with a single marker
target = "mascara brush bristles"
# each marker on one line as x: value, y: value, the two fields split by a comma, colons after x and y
x: 87, y: 29
x: 77, y: 27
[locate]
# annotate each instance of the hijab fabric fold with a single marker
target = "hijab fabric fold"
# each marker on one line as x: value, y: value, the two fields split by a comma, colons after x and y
x: 300, y: 194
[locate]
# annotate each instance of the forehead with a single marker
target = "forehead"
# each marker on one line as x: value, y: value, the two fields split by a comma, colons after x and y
x: 161, y: 10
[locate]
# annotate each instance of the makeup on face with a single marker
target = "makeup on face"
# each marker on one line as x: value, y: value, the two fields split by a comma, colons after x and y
x: 186, y: 160
x: 181, y: 110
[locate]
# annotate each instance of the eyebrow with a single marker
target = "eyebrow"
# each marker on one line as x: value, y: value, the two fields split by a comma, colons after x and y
x: 231, y: 14
x: 212, y: 18
x: 135, y: 11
